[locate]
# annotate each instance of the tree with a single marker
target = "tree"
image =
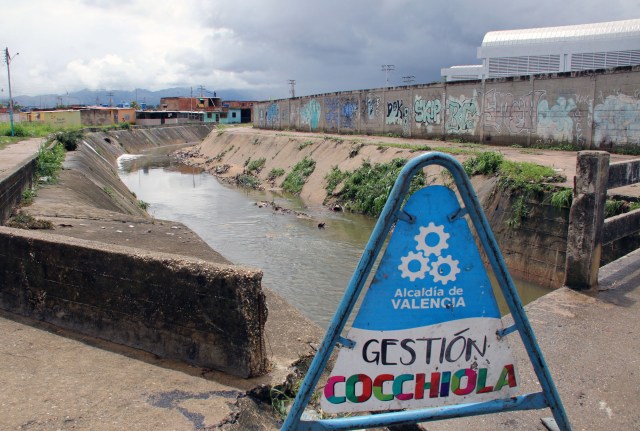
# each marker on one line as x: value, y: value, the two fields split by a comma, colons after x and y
x: 134, y: 104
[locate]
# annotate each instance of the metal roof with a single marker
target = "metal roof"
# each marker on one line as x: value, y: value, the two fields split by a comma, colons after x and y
x: 583, y: 32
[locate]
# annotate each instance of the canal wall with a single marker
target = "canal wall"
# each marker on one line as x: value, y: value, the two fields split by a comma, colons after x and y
x: 534, y: 251
x: 207, y: 313
x: 13, y: 184
x: 585, y: 110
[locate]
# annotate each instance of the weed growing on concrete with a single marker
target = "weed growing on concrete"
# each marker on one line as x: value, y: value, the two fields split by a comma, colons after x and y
x: 25, y: 221
x: 28, y: 196
x: 109, y: 191
x: 256, y: 165
x: 49, y: 163
x: 143, y: 205
x: 69, y: 138
x: 366, y: 189
x: 305, y: 144
x: 526, y: 176
x: 275, y: 173
x: 485, y: 163
x: 519, y: 211
x: 562, y: 198
x: 247, y: 180
x: 296, y: 179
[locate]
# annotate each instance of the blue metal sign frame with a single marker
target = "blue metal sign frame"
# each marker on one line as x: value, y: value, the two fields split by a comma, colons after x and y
x: 392, y: 212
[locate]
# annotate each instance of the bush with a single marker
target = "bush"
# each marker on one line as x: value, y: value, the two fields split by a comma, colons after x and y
x: 367, y: 189
x: 275, y: 173
x: 485, y: 163
x: 69, y: 138
x: 256, y: 165
x: 49, y: 163
x: 296, y: 179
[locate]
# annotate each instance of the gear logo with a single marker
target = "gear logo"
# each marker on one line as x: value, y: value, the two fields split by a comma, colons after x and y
x: 416, y: 265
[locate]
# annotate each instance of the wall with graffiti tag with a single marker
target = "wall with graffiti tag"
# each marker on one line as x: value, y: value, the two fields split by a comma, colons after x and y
x: 582, y: 110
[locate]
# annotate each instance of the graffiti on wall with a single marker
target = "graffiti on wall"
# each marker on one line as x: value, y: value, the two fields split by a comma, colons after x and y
x: 272, y: 115
x: 506, y: 113
x: 617, y: 120
x: 399, y: 114
x: 462, y: 114
x: 332, y: 112
x: 556, y: 122
x: 427, y: 112
x: 372, y: 106
x: 310, y: 114
x: 348, y: 113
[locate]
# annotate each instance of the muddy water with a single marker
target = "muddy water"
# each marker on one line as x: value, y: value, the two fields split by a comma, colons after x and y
x: 308, y: 265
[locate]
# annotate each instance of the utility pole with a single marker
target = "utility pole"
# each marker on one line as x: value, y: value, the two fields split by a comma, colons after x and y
x: 292, y: 90
x: 110, y: 94
x: 7, y: 59
x: 386, y: 68
x: 408, y: 79
x: 201, y: 88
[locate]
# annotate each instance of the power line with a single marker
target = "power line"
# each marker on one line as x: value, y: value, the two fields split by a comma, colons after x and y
x: 7, y: 59
x: 386, y: 68
x: 408, y: 79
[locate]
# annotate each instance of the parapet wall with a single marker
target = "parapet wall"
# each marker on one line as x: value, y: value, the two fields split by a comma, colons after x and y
x: 588, y: 110
x: 210, y: 315
x: 13, y: 185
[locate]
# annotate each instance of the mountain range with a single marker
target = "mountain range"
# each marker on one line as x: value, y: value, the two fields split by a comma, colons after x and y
x: 115, y: 97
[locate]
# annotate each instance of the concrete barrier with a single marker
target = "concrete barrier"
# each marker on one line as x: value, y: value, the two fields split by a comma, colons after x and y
x: 13, y: 185
x: 206, y: 314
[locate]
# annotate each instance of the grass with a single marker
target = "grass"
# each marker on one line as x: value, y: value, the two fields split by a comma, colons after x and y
x: 366, y: 189
x: 295, y: 180
x: 524, y: 178
x: 256, y: 165
x: 26, y: 221
x: 275, y: 173
x: 305, y: 144
x: 562, y: 198
x: 248, y: 181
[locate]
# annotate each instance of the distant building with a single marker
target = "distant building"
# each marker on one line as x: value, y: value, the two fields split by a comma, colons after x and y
x: 552, y: 50
x: 216, y: 111
x: 96, y: 116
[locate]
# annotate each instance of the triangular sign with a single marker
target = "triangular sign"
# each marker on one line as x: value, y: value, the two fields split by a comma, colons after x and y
x: 428, y: 342
x: 426, y: 332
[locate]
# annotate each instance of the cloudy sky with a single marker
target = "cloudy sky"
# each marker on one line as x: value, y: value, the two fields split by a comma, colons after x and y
x: 258, y: 45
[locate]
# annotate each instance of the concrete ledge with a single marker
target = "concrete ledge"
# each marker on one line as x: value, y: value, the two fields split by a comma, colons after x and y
x: 12, y: 186
x: 212, y: 315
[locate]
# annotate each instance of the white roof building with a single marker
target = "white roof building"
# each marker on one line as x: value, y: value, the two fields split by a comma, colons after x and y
x: 553, y: 49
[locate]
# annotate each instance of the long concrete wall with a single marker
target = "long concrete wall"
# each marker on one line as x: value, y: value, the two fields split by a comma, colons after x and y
x: 211, y: 315
x: 589, y: 110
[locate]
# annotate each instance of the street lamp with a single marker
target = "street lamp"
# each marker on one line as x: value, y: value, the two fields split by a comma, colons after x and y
x: 7, y: 59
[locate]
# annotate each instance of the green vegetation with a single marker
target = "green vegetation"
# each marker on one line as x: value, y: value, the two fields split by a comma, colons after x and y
x: 562, y: 198
x: 69, y: 138
x: 28, y: 129
x: 49, y: 163
x: 304, y: 145
x: 247, y: 180
x: 28, y: 196
x: 485, y: 163
x: 109, y: 191
x: 525, y: 178
x: 366, y: 189
x: 143, y: 205
x: 296, y: 179
x: 275, y: 173
x: 26, y: 221
x: 256, y: 165
x: 382, y: 145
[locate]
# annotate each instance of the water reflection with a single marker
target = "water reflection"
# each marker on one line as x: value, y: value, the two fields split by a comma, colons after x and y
x: 310, y: 267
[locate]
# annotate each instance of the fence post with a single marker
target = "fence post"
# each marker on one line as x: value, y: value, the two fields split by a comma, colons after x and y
x: 586, y: 220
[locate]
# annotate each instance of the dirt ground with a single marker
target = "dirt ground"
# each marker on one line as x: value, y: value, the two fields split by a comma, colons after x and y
x: 283, y: 149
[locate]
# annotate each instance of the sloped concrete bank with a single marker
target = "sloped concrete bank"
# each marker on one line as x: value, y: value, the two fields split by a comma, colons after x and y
x: 534, y: 251
x: 110, y: 275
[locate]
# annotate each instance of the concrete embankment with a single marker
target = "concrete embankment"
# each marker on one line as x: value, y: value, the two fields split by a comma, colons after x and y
x: 534, y: 251
x: 102, y: 276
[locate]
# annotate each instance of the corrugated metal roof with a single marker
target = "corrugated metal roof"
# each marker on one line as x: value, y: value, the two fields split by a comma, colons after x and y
x: 596, y: 31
